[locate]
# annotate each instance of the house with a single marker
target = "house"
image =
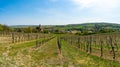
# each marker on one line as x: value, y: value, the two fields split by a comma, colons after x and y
x: 75, y: 31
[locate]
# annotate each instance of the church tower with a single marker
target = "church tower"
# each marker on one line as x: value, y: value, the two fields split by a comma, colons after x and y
x: 39, y: 28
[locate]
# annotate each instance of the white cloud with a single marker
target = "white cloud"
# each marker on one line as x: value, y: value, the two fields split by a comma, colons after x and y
x: 102, y: 4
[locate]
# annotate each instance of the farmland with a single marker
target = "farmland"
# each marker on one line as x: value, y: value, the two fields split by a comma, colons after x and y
x: 59, y: 33
x: 50, y: 50
x: 105, y: 46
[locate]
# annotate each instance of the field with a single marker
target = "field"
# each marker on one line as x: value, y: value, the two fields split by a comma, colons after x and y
x: 48, y: 50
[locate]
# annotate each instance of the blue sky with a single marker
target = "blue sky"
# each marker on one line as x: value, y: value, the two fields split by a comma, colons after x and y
x: 55, y: 12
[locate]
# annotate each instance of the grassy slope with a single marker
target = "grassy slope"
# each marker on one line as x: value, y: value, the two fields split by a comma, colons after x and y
x: 47, y: 55
x: 26, y: 54
x: 75, y: 57
x: 88, y: 26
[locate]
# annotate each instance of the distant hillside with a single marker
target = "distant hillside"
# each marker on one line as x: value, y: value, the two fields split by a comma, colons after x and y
x: 80, y: 27
x: 23, y: 26
x: 70, y: 26
x: 93, y: 25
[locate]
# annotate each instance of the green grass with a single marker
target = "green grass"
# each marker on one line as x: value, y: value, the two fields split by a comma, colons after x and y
x: 47, y: 55
x: 79, y: 58
x: 26, y: 55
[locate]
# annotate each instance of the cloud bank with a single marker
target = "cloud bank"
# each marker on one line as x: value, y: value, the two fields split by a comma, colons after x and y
x: 95, y: 4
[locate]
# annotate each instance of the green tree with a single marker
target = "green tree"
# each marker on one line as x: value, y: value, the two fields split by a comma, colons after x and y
x: 1, y: 28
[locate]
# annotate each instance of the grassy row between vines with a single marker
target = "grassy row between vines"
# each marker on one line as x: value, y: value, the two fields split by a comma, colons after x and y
x: 27, y: 55
x: 47, y: 55
x: 81, y: 59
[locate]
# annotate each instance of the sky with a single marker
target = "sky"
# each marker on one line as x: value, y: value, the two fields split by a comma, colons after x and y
x: 58, y: 12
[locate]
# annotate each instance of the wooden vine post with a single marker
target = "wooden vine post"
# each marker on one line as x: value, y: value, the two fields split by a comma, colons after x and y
x: 87, y: 44
x: 37, y: 41
x: 59, y: 44
x: 28, y: 36
x: 13, y: 38
x: 113, y: 50
x: 101, y: 48
x: 90, y: 43
x: 79, y: 42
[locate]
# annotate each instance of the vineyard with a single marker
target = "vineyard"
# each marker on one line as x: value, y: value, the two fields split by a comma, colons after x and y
x: 105, y: 46
x: 50, y: 50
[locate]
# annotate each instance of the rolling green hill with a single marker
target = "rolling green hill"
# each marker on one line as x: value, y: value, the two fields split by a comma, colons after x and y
x: 85, y: 27
x: 70, y: 26
x: 23, y: 26
x: 92, y: 25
